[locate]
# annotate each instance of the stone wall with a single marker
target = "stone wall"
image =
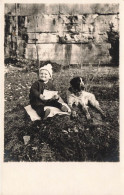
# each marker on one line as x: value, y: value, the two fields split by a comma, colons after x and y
x: 63, y: 33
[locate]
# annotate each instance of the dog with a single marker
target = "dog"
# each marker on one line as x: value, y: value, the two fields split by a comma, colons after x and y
x: 79, y: 97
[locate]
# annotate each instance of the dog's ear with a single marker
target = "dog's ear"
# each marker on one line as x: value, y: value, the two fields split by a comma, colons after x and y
x: 73, y: 81
x: 70, y: 89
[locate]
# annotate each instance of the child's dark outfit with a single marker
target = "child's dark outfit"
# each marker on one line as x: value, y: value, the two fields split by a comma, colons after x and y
x: 34, y: 96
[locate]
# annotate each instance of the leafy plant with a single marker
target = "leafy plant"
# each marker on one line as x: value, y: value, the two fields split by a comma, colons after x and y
x: 113, y: 39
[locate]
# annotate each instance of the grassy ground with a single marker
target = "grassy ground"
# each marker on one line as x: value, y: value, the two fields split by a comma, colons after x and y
x: 60, y: 138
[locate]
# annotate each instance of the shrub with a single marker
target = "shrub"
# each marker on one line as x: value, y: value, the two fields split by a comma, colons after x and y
x: 113, y: 39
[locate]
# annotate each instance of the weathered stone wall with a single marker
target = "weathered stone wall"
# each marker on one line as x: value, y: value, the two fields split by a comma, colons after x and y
x: 63, y: 33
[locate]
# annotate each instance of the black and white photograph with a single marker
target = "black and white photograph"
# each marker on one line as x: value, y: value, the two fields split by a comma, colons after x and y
x: 61, y: 97
x: 61, y: 82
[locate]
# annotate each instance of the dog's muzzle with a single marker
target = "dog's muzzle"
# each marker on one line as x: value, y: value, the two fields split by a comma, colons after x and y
x: 82, y: 86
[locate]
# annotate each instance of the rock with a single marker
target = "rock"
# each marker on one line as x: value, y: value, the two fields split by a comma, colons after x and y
x: 26, y: 139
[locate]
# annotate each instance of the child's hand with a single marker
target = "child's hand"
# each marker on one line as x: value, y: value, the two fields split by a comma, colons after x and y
x: 42, y: 97
x: 55, y: 97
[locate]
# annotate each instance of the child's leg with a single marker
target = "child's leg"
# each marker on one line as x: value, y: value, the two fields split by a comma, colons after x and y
x: 53, y: 103
x: 39, y: 110
x: 57, y: 104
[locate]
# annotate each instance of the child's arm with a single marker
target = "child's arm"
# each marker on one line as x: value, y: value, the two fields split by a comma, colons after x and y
x: 34, y: 91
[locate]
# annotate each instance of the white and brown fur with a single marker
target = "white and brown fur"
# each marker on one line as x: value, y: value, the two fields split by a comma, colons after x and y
x: 78, y: 96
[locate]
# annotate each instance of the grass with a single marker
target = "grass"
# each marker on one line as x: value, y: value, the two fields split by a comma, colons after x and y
x: 60, y: 138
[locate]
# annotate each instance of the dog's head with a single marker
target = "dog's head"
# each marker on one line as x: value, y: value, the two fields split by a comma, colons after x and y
x: 77, y: 84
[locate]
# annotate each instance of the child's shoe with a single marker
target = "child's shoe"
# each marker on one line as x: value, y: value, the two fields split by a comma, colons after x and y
x: 64, y: 108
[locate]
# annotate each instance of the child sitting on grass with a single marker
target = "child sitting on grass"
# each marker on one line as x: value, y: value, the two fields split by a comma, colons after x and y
x: 38, y: 100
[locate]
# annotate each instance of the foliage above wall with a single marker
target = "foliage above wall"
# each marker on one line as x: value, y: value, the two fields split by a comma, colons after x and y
x: 113, y: 38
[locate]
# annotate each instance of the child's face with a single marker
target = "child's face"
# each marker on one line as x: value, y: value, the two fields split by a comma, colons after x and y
x: 44, y: 75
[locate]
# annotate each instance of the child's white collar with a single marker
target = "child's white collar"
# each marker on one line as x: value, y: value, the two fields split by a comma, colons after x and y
x: 46, y: 82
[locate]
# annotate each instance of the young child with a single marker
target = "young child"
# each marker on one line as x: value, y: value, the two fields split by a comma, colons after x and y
x: 37, y: 99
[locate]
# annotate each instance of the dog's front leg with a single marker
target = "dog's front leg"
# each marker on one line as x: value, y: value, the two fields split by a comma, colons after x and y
x: 70, y: 104
x: 85, y: 109
x: 73, y: 112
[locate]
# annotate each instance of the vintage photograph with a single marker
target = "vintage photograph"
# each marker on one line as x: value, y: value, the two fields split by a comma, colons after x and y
x: 61, y: 82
